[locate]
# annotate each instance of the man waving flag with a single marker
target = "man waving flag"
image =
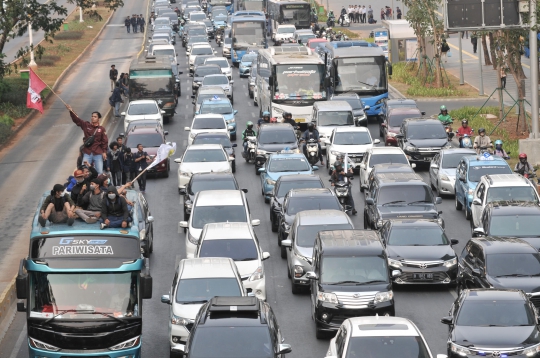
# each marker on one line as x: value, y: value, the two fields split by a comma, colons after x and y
x: 164, y: 152
x: 35, y: 86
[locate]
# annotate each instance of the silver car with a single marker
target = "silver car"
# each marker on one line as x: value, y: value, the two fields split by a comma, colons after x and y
x: 220, y: 81
x: 442, y: 171
x: 226, y: 49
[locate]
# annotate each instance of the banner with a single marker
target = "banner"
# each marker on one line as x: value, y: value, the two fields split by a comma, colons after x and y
x: 164, y: 152
x: 35, y: 86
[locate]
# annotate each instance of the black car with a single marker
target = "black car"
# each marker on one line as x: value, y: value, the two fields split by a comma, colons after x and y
x: 282, y: 187
x: 206, y: 181
x: 210, y: 31
x: 218, y: 138
x: 492, y: 323
x: 297, y: 200
x: 396, y: 103
x: 421, y: 250
x: 273, y: 138
x: 146, y: 225
x: 388, y: 168
x: 399, y: 196
x: 500, y: 262
x: 199, y: 72
x: 236, y: 327
x: 350, y: 278
x: 422, y: 138
x: 360, y: 117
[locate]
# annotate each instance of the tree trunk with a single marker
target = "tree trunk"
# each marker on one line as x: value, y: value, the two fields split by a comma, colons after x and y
x: 492, y: 50
x: 424, y: 58
x: 487, y: 60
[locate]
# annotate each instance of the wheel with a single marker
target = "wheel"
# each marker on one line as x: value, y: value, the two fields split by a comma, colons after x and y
x: 266, y: 200
x: 255, y: 103
x: 232, y: 100
x: 295, y: 289
x: 257, y: 171
x: 458, y: 205
x: 468, y: 214
x: 320, y: 334
x: 166, y: 119
x: 233, y: 137
x: 151, y: 242
x: 472, y: 227
x: 361, y: 189
x: 275, y: 224
x: 288, y: 272
x: 437, y: 189
x: 283, y: 252
x: 175, y: 355
x: 365, y: 221
x: 166, y: 174
x: 233, y: 166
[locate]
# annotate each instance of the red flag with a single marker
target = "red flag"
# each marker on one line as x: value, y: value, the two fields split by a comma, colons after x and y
x: 35, y: 86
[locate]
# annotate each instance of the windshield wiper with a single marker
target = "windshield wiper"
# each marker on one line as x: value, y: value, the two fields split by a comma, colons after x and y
x: 248, y: 259
x: 514, y: 275
x: 393, y: 202
x: 419, y: 201
x: 343, y: 282
x: 66, y: 311
x: 191, y: 302
x: 112, y: 316
x: 364, y: 83
x: 372, y: 281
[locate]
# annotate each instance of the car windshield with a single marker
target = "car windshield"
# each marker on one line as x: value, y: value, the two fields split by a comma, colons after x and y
x: 216, y: 184
x: 450, y: 161
x: 137, y: 109
x: 221, y: 62
x: 197, y: 31
x: 219, y: 108
x: 202, y: 96
x: 219, y: 18
x: 286, y: 30
x: 236, y: 249
x: 146, y: 139
x: 513, y: 264
x: 227, y: 41
x: 405, y: 194
x: 478, y: 171
x: 354, y: 102
x: 249, y: 58
x: 198, y: 38
x: 426, y: 131
x: 395, y: 120
x: 306, y: 234
x: 196, y: 17
x: 216, y: 80
x: 208, y: 123
x: 512, y: 193
x: 204, y: 155
x: 359, y: 269
x: 288, y: 165
x: 493, y: 313
x: 231, y: 342
x: 335, y: 118
x: 166, y: 21
x: 203, y: 215
x: 222, y: 139
x: 298, y: 204
x: 201, y: 72
x: 352, y: 138
x: 202, y: 51
x: 387, y: 159
x: 411, y: 235
x: 515, y: 226
x: 387, y: 346
x: 277, y: 137
x: 285, y: 186
x: 199, y: 290
x: 164, y: 52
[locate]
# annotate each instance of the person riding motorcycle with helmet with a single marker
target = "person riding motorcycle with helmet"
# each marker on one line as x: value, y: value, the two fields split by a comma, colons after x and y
x: 265, y: 118
x: 464, y: 129
x: 338, y: 175
x: 287, y: 118
x: 482, y: 141
x: 523, y: 167
x: 248, y: 132
x: 499, y: 151
x: 312, y: 133
x: 444, y: 117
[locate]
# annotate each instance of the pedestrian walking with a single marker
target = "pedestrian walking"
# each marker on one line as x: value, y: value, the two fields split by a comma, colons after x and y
x: 465, y: 34
x: 95, y: 139
x: 134, y: 23
x: 474, y: 42
x: 503, y: 77
x: 370, y: 12
x: 141, y: 159
x: 382, y: 13
x: 127, y: 23
x: 130, y: 171
x: 398, y: 13
x: 113, y: 76
x: 141, y: 22
x: 444, y: 50
x: 363, y: 14
x: 116, y: 99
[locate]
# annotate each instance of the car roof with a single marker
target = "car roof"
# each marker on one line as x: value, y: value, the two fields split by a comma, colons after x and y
x: 310, y: 192
x: 337, y: 97
x: 304, y: 31
x: 219, y: 197
x: 142, y: 101
x: 155, y: 129
x: 344, y: 241
x: 207, y: 267
x: 404, y: 110
x: 286, y: 155
x: 216, y: 101
x: 506, y: 208
x: 351, y: 129
x: 400, y: 102
x: 504, y: 180
x: 298, y: 177
x: 483, y: 294
x: 225, y: 231
x: 504, y: 245
x: 386, y: 150
x: 333, y: 105
x: 203, y: 66
x: 211, y: 135
x: 148, y: 123
x: 422, y: 121
x: 398, y: 177
x: 382, y: 326
x: 317, y: 217
x: 204, y: 147
x: 414, y: 222
x: 212, y: 175
x: 465, y: 151
x: 286, y: 26
x: 275, y: 126
x: 217, y: 75
x: 392, y: 168
x: 479, y: 160
x: 211, y: 89
x: 208, y: 115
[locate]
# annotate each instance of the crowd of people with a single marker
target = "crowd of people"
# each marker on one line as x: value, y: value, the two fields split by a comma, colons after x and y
x: 135, y: 22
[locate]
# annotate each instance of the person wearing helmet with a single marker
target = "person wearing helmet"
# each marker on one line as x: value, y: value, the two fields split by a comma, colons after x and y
x: 248, y: 132
x: 523, y: 167
x: 265, y: 118
x: 444, y: 117
x: 464, y: 129
x: 482, y: 141
x: 338, y: 175
x: 342, y: 15
x: 499, y: 151
x: 312, y: 133
x: 287, y: 118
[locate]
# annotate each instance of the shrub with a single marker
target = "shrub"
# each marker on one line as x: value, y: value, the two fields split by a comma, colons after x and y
x: 407, y: 74
x: 5, y: 132
x: 13, y: 90
x: 7, y: 120
x: 68, y: 35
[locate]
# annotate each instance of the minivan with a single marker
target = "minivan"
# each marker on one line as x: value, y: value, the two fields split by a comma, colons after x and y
x: 329, y: 115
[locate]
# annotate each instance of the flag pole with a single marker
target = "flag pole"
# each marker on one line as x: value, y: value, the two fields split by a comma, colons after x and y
x: 141, y: 173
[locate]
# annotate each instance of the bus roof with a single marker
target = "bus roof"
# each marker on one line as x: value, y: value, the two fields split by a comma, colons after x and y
x: 153, y: 62
x: 285, y: 55
x: 355, y: 51
x: 242, y: 18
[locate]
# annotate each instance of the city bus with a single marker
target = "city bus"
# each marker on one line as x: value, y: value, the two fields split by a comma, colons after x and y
x: 290, y: 79
x: 83, y: 289
x: 293, y: 12
x: 247, y: 31
x: 360, y: 69
x: 257, y: 5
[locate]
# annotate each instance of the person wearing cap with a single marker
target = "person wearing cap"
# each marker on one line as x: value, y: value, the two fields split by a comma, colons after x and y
x: 91, y: 203
x: 80, y: 187
x: 57, y: 207
x: 114, y: 210
x: 113, y: 76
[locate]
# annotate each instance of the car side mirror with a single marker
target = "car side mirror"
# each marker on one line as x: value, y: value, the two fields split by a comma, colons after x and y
x: 165, y: 132
x: 365, y: 187
x: 255, y: 222
x: 166, y: 299
x: 122, y: 135
x: 123, y: 113
x: 413, y: 165
x: 265, y: 255
x: 187, y: 129
x: 182, y: 191
x: 21, y: 307
x: 286, y: 243
x: 21, y: 282
x: 362, y: 165
x: 462, y: 178
x: 190, y: 75
x: 193, y: 96
x: 376, y: 141
x: 262, y: 170
x: 434, y: 166
x: 163, y: 112
x: 234, y: 145
x: 310, y: 275
x: 235, y: 111
x: 178, y: 160
x: 284, y: 349
x: 231, y: 82
x: 396, y: 273
x: 442, y: 356
x: 438, y: 200
x: 146, y: 286
x: 446, y: 320
x: 367, y: 108
x: 314, y: 167
x: 244, y: 190
x: 477, y: 202
x: 183, y: 224
x: 424, y: 113
x: 370, y: 201
x: 454, y: 241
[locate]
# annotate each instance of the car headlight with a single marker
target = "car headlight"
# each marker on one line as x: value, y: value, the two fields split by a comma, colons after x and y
x: 192, y: 239
x: 462, y: 351
x: 379, y: 101
x: 333, y: 152
x: 531, y: 350
x: 188, y: 204
x: 192, y: 135
x: 258, y: 274
x: 383, y: 297
x: 186, y: 174
x: 130, y: 343
x: 440, y: 221
x: 327, y: 297
x: 445, y: 177
x: 179, y: 321
x: 261, y: 152
x: 450, y: 263
x: 270, y: 181
x: 391, y: 134
x: 410, y: 148
x: 228, y: 89
x: 470, y: 192
x: 298, y: 271
x: 40, y: 345
x: 231, y: 121
x: 394, y: 263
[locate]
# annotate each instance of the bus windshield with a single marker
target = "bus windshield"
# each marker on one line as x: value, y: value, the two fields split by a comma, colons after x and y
x: 150, y: 87
x: 247, y: 33
x: 298, y: 81
x: 295, y: 14
x: 363, y: 74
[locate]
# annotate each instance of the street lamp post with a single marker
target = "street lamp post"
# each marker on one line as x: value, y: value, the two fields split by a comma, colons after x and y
x: 80, y: 14
x: 31, y: 40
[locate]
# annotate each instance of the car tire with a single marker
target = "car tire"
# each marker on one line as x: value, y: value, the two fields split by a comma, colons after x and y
x: 365, y: 221
x: 274, y: 223
x: 257, y: 171
x: 288, y: 272
x: 283, y: 252
x: 468, y: 213
x: 175, y: 355
x: 295, y: 289
x: 319, y: 334
x: 233, y: 166
x: 266, y: 200
x: 232, y: 100
x: 250, y: 94
x: 233, y: 137
x: 255, y: 103
x: 166, y: 119
x: 458, y: 205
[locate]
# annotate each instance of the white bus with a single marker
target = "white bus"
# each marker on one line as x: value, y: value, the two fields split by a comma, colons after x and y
x: 290, y: 79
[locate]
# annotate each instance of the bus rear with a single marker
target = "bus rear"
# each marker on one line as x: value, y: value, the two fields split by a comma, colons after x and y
x: 247, y: 32
x: 297, y: 13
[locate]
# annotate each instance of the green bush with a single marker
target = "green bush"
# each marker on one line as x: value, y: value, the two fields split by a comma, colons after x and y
x: 7, y: 120
x: 13, y: 90
x: 5, y: 132
x: 407, y: 74
x: 68, y: 35
x: 14, y: 111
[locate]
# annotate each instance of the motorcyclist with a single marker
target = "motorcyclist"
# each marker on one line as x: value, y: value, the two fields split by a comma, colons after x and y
x: 331, y: 17
x: 265, y: 119
x: 464, y: 129
x: 339, y: 175
x: 248, y: 132
x: 499, y: 151
x: 312, y: 133
x: 482, y: 141
x: 444, y: 117
x: 523, y: 167
x: 287, y: 118
x: 342, y: 15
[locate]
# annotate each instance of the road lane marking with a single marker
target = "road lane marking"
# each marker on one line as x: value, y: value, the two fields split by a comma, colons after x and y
x: 19, y: 343
x: 116, y: 25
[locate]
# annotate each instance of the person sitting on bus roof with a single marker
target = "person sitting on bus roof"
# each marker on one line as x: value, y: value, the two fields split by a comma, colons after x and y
x: 114, y: 210
x: 91, y: 203
x: 57, y: 207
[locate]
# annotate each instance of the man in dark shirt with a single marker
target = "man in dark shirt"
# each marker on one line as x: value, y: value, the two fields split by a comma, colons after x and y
x: 91, y: 203
x: 141, y: 159
x: 114, y: 210
x: 113, y: 76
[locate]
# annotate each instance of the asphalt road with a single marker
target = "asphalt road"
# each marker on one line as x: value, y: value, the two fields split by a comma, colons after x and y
x: 424, y: 305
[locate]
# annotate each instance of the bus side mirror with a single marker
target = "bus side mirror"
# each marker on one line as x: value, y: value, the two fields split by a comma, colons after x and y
x: 21, y: 283
x: 389, y: 70
x: 146, y: 287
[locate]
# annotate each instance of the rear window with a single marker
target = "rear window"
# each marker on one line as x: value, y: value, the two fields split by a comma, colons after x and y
x: 202, y: 51
x: 201, y: 72
x: 142, y: 108
x: 223, y: 63
x: 209, y: 123
x: 216, y: 80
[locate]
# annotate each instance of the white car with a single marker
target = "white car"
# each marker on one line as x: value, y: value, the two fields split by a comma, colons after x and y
x: 142, y: 109
x: 207, y: 123
x: 161, y: 21
x: 202, y: 158
x: 226, y: 47
x: 163, y: 50
x: 214, y: 206
x: 195, y: 282
x: 353, y: 141
x: 199, y: 49
x: 380, y: 155
x: 238, y: 242
x: 221, y: 81
x: 284, y: 33
x: 196, y: 16
x: 222, y: 63
x: 190, y: 45
x: 379, y: 336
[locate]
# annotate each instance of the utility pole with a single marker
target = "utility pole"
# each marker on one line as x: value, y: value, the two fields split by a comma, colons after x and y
x: 533, y: 45
x: 481, y: 89
x: 32, y: 63
x: 80, y: 14
x: 461, y: 79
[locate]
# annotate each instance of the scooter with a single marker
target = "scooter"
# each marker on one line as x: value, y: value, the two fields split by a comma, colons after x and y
x: 331, y: 22
x: 218, y: 39
x: 343, y: 193
x: 249, y: 155
x: 345, y: 21
x: 448, y: 130
x: 312, y: 151
x: 466, y: 141
x: 530, y: 177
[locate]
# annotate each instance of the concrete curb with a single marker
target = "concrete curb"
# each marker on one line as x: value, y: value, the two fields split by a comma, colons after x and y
x: 7, y: 308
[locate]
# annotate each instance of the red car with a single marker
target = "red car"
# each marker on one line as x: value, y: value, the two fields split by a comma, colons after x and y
x: 313, y: 43
x: 392, y: 123
x: 151, y: 138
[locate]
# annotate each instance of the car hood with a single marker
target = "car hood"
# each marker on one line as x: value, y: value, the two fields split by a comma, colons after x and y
x: 139, y: 117
x: 327, y: 130
x: 285, y: 34
x: 186, y: 310
x: 150, y: 150
x: 472, y: 184
x: 527, y: 284
x: 533, y: 241
x: 275, y: 147
x: 450, y: 172
x: 428, y: 143
x: 228, y: 116
x: 304, y: 251
x: 276, y: 176
x: 408, y: 212
x: 356, y: 288
x: 358, y: 112
x: 393, y: 129
x: 351, y: 148
x: 420, y: 253
x: 246, y: 268
x: 205, y: 167
x: 495, y: 337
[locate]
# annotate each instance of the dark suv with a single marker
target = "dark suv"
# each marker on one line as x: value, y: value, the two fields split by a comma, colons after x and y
x: 422, y: 138
x: 228, y: 327
x: 391, y: 124
x: 151, y: 139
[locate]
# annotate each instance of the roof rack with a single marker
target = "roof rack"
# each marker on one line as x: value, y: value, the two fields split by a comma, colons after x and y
x: 234, y: 304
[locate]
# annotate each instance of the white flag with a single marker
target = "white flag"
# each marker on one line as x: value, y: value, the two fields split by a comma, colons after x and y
x: 346, y: 165
x: 164, y: 152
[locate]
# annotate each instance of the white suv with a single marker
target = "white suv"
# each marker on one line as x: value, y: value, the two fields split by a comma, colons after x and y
x: 500, y: 187
x: 195, y: 282
x: 380, y: 155
x: 203, y: 123
x: 238, y: 242
x: 378, y: 337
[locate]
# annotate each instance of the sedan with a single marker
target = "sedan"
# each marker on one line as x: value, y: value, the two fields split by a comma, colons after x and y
x: 221, y: 81
x: 140, y: 110
x: 246, y: 63
x: 200, y: 72
x: 223, y: 107
x: 442, y: 171
x: 206, y: 123
x: 222, y: 63
x: 218, y: 138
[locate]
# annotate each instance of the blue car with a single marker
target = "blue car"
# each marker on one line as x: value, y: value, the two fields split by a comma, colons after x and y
x: 468, y: 173
x: 220, y: 106
x: 279, y: 164
x: 245, y: 64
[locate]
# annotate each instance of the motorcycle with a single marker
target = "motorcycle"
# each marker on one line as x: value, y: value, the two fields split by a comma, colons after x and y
x: 312, y: 151
x: 249, y: 155
x: 345, y: 21
x: 530, y: 177
x: 331, y: 22
x: 448, y: 130
x: 343, y: 193
x: 466, y: 141
x: 482, y: 150
x: 218, y: 40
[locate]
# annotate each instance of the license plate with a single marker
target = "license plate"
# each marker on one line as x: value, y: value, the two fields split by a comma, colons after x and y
x: 427, y: 159
x: 300, y: 120
x: 423, y: 276
x: 357, y: 160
